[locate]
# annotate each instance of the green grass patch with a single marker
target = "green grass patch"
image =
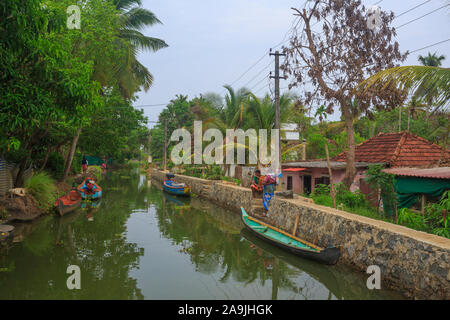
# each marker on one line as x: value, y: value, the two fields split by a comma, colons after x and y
x: 42, y: 187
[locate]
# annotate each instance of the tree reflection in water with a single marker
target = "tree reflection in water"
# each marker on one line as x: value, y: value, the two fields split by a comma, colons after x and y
x: 193, y: 249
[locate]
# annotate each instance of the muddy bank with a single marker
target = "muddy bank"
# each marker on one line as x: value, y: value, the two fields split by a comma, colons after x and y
x: 24, y: 208
x: 19, y: 208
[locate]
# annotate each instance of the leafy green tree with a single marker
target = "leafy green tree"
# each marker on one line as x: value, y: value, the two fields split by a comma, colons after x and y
x: 42, y: 81
x: 178, y: 114
x: 117, y: 130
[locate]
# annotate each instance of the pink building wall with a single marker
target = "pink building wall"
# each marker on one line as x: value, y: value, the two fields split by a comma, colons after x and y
x: 298, y: 177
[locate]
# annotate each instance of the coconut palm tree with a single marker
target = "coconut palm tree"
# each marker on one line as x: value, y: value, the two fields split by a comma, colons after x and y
x: 261, y: 112
x: 431, y: 82
x: 231, y: 115
x: 432, y: 60
x: 131, y: 74
x: 321, y: 113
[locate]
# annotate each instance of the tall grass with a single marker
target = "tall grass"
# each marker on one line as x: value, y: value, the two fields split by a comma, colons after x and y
x: 42, y: 187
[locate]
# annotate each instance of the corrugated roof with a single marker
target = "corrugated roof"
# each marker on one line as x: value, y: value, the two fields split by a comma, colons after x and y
x: 321, y: 164
x: 402, y: 149
x: 434, y: 173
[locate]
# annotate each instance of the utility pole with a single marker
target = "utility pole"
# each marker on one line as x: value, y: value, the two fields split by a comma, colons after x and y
x: 165, y: 145
x: 277, y: 78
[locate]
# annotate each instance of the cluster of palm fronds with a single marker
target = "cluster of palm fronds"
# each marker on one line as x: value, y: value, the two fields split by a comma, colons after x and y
x: 429, y: 83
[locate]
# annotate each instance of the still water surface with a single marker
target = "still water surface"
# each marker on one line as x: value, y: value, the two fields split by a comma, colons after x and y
x: 140, y: 243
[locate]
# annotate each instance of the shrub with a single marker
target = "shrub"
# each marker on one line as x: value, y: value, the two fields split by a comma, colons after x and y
x: 214, y: 173
x: 437, y: 216
x: 321, y: 189
x: 42, y: 187
x: 349, y: 199
x: 379, y: 180
x: 324, y: 200
x: 411, y: 220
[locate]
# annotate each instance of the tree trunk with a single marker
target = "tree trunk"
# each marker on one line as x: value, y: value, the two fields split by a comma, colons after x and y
x: 19, y: 178
x: 47, y: 154
x: 350, y: 171
x: 71, y: 154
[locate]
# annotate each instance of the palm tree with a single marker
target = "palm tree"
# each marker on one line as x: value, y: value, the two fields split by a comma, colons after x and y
x: 132, y: 75
x: 432, y: 82
x: 432, y: 60
x: 321, y: 113
x: 261, y: 112
x: 413, y: 106
x: 230, y: 116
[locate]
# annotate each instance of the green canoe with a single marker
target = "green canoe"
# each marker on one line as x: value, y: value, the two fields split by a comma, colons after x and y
x: 290, y: 243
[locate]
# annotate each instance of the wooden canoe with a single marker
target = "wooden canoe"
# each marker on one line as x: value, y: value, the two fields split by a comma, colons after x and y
x: 68, y: 203
x: 289, y: 242
x: 179, y: 189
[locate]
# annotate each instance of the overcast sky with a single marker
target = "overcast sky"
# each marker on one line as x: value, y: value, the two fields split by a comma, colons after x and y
x: 213, y: 42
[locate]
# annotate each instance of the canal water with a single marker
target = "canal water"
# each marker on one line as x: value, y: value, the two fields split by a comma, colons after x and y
x: 141, y: 243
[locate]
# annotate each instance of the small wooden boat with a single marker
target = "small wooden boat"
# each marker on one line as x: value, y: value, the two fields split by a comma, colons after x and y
x: 88, y: 192
x: 172, y: 187
x: 68, y: 203
x: 289, y: 242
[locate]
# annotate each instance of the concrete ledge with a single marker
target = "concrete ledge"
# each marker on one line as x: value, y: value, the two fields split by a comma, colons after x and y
x: 412, y: 262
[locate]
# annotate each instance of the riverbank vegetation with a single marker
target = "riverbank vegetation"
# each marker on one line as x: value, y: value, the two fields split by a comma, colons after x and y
x: 69, y: 92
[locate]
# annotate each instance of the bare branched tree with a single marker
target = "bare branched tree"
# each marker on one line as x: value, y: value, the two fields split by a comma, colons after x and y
x: 330, y: 64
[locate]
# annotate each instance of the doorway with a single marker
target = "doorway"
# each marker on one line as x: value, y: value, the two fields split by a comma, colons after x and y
x: 289, y: 182
x: 307, y: 184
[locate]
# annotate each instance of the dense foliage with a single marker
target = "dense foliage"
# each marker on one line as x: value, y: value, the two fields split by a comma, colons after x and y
x: 68, y: 92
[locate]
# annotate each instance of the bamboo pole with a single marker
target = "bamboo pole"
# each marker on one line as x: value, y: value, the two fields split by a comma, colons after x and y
x: 296, y: 224
x: 333, y: 195
x: 285, y: 233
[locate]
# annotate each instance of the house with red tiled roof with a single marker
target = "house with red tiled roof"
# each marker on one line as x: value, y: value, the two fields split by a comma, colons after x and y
x: 402, y: 149
x: 393, y: 150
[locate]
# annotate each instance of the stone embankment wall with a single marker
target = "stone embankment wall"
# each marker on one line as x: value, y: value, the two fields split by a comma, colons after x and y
x: 412, y: 262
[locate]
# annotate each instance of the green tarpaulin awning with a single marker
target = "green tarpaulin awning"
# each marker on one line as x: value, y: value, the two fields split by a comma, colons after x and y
x: 408, y: 189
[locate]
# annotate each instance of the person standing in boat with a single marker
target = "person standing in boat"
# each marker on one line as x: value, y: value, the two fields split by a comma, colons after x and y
x: 84, y: 164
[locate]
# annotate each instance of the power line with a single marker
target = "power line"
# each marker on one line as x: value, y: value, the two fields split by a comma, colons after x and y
x: 265, y: 86
x: 422, y: 16
x: 265, y: 54
x: 151, y: 105
x: 251, y: 67
x: 265, y: 78
x: 265, y: 68
x: 431, y: 45
x: 412, y: 9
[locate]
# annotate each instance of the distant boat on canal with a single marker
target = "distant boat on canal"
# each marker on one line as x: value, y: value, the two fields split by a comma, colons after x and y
x: 172, y: 187
x: 289, y: 242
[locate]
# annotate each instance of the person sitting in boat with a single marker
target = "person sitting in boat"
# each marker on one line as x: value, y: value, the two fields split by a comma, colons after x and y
x: 256, y: 184
x: 89, y: 186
